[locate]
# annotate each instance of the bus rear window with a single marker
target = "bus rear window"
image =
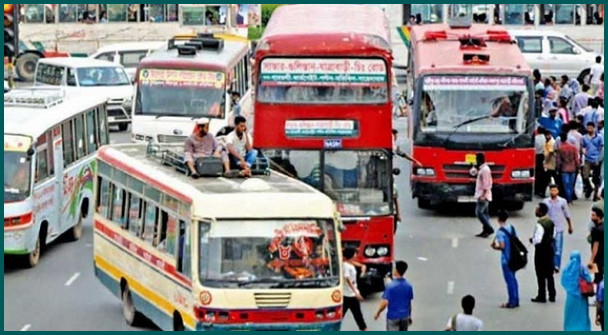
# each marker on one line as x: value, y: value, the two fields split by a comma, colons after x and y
x: 323, y: 81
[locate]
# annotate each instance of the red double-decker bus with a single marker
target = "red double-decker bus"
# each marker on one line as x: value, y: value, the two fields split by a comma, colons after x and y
x: 323, y: 115
x: 471, y: 92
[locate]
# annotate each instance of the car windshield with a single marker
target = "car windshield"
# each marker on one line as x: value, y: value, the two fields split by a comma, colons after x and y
x: 571, y: 40
x: 474, y: 105
x: 323, y: 81
x: 358, y: 181
x: 254, y: 254
x: 102, y: 76
x: 17, y: 176
x: 192, y: 94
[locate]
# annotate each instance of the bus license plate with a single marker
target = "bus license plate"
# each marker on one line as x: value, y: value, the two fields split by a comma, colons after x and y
x: 466, y: 199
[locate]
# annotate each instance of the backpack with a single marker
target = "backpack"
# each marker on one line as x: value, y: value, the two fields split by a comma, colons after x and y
x: 518, y: 259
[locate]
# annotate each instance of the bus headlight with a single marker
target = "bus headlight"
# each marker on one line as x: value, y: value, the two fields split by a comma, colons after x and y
x: 425, y: 172
x: 370, y: 251
x: 382, y: 251
x: 520, y: 174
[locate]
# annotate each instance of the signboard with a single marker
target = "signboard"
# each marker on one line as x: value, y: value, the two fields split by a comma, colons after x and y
x: 181, y: 78
x: 321, y: 128
x: 332, y: 144
x: 17, y: 143
x: 474, y: 83
x: 325, y: 72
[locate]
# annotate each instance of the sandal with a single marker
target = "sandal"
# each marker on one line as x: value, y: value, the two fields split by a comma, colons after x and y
x: 508, y: 306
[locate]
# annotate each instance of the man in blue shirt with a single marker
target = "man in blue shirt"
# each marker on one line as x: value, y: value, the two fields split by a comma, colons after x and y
x: 552, y: 123
x: 599, y: 315
x: 398, y: 298
x: 502, y: 243
x: 593, y: 145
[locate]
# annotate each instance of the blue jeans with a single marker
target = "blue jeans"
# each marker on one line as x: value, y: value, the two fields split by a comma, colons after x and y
x: 558, y: 245
x: 250, y: 158
x: 568, y: 179
x: 512, y: 288
x: 482, y: 210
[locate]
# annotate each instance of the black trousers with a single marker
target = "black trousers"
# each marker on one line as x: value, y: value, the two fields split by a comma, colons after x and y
x: 540, y: 175
x: 543, y: 265
x: 354, y: 306
x: 602, y: 321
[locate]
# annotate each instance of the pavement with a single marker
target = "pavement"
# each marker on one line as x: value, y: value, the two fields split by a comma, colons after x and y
x: 446, y: 262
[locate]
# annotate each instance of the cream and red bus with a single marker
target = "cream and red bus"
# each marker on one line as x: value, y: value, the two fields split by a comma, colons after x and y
x: 214, y: 253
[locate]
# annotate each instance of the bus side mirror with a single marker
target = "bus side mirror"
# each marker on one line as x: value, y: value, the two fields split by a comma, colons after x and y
x: 396, y: 172
x: 31, y: 152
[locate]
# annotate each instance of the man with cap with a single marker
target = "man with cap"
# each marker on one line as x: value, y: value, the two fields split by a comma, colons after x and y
x: 202, y: 144
x: 552, y: 123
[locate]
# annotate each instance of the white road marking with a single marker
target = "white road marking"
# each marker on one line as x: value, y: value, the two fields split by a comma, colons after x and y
x: 424, y: 259
x: 72, y: 279
x: 26, y: 328
x: 455, y: 242
x: 451, y: 286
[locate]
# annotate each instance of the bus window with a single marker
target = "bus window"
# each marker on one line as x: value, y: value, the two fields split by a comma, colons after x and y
x: 184, y: 256
x: 91, y: 132
x: 118, y: 204
x: 80, y: 138
x: 103, y: 131
x: 51, y: 153
x: 135, y: 216
x: 67, y: 133
x: 168, y: 233
x: 42, y: 165
x: 103, y: 198
x: 150, y: 229
x: 162, y: 229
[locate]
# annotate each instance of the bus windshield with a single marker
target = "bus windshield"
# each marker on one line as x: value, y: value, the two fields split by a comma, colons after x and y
x: 323, y: 81
x: 359, y: 181
x: 17, y: 171
x: 193, y: 94
x: 468, y: 104
x: 102, y: 76
x: 269, y: 254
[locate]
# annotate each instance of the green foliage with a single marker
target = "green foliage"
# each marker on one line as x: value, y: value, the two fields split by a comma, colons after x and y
x: 267, y: 11
x: 255, y: 33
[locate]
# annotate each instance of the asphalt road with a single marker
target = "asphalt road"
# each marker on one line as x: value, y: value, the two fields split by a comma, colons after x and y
x: 446, y: 262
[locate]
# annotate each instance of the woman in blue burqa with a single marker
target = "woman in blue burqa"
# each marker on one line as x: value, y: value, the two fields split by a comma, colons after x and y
x: 576, y: 313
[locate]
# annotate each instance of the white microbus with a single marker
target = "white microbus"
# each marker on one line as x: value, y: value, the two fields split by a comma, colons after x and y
x: 50, y: 139
x: 213, y: 253
x: 188, y: 80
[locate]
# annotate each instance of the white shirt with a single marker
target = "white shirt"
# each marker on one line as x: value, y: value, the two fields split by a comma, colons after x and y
x: 596, y: 73
x: 466, y: 323
x: 240, y: 145
x: 350, y: 273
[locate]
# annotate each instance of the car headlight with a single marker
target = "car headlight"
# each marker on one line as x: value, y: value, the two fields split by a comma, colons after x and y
x: 370, y: 251
x: 382, y: 251
x: 128, y: 103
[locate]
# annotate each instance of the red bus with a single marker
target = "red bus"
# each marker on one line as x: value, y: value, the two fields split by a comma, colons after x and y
x: 323, y: 114
x: 471, y: 92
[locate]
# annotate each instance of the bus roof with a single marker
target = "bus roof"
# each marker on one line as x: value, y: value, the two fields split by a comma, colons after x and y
x: 204, y: 59
x: 434, y: 54
x: 343, y: 28
x: 34, y: 119
x: 222, y: 198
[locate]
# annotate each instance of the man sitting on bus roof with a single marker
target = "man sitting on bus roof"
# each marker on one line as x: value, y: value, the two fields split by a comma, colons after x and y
x: 203, y: 144
x: 240, y: 146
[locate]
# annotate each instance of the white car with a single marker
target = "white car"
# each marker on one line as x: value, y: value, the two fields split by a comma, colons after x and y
x: 98, y: 76
x: 127, y: 54
x: 555, y: 54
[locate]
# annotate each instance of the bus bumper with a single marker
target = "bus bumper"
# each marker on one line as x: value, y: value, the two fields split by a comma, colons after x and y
x: 436, y: 193
x: 326, y: 326
x: 19, y: 242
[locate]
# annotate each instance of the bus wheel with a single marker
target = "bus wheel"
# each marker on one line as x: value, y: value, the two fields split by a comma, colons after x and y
x: 178, y: 323
x: 33, y: 258
x: 76, y: 232
x: 424, y: 203
x: 132, y: 316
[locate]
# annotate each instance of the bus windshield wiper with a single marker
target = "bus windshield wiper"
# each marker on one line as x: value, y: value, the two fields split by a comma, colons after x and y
x: 462, y: 124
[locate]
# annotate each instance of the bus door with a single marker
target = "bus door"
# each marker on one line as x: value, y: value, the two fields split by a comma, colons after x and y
x: 57, y: 143
x: 45, y: 188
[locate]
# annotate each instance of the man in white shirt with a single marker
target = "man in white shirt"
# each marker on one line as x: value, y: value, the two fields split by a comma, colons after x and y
x: 352, y: 297
x: 596, y: 73
x: 240, y: 146
x: 465, y: 322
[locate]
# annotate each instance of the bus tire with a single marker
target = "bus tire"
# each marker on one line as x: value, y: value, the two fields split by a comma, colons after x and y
x: 132, y: 316
x: 25, y: 65
x: 75, y: 233
x: 424, y: 204
x: 123, y: 126
x: 32, y: 259
x: 178, y: 323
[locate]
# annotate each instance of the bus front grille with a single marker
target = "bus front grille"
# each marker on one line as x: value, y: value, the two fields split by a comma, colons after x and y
x: 171, y: 139
x: 272, y: 300
x: 464, y: 171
